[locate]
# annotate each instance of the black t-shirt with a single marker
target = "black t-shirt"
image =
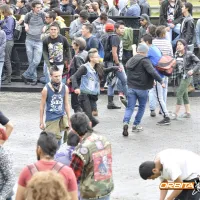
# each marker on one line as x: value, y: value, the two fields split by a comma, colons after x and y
x: 92, y: 42
x: 56, y: 49
x: 116, y: 42
x: 3, y: 119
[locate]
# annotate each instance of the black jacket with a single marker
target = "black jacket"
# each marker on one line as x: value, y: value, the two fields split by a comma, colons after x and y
x: 188, y: 30
x: 163, y: 13
x: 141, y: 73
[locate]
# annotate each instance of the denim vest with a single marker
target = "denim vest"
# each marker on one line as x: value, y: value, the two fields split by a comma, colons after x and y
x: 55, y: 104
x: 90, y: 81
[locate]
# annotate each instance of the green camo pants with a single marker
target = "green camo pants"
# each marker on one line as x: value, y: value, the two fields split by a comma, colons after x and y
x: 182, y: 91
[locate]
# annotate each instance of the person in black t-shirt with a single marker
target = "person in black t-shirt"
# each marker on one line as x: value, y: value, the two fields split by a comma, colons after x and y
x: 56, y: 50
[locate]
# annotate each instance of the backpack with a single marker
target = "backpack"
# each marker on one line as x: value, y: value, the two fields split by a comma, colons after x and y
x: 57, y: 167
x: 100, y: 47
x: 106, y: 42
x: 166, y: 65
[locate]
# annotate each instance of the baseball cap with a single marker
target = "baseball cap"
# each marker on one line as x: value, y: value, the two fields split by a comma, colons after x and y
x: 109, y: 27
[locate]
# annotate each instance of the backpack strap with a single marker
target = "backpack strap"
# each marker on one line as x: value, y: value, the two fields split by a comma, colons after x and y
x: 32, y: 168
x: 57, y: 167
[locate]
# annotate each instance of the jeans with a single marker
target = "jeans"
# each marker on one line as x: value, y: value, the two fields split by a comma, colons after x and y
x: 157, y: 94
x: 176, y: 29
x: 133, y: 96
x: 75, y: 103
x: 8, y: 52
x: 122, y: 83
x: 47, y: 73
x: 34, y: 53
x: 103, y: 198
x: 1, y: 69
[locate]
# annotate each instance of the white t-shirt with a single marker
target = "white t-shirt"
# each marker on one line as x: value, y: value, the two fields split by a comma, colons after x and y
x: 178, y: 162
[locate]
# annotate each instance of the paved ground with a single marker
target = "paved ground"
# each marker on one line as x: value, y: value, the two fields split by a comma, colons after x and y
x: 128, y: 153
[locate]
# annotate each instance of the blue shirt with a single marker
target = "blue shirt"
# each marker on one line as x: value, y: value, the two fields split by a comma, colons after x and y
x: 8, y: 26
x: 154, y: 54
x: 133, y: 11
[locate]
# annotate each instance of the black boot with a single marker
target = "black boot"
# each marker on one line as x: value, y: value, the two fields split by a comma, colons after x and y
x: 111, y: 105
x: 25, y: 80
x: 7, y: 81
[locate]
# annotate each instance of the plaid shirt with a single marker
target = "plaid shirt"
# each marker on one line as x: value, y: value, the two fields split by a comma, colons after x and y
x: 77, y: 166
x: 177, y: 73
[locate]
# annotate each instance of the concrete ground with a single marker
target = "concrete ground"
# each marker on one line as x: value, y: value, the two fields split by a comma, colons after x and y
x: 128, y: 153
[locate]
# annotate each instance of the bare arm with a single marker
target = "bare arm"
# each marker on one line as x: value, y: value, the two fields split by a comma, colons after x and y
x: 163, y: 193
x: 67, y: 107
x: 42, y: 106
x: 74, y: 195
x: 20, y: 193
x: 175, y: 193
x: 114, y: 54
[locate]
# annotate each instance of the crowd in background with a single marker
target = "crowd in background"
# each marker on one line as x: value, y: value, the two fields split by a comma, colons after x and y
x: 101, y: 55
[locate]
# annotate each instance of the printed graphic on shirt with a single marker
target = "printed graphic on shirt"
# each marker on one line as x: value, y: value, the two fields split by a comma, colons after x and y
x: 102, y: 164
x: 170, y: 14
x: 55, y: 52
x: 99, y: 145
x: 56, y: 103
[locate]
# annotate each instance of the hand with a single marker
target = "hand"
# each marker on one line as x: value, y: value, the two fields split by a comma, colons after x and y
x: 172, y: 25
x: 120, y: 69
x: 190, y: 73
x: 68, y: 81
x: 163, y: 85
x: 26, y: 28
x: 167, y: 29
x: 77, y: 91
x: 42, y: 126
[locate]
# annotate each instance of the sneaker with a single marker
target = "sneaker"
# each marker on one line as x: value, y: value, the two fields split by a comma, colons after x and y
x: 153, y: 113
x: 125, y: 130
x: 165, y: 121
x: 123, y: 100
x: 173, y: 116
x: 137, y: 128
x: 186, y: 115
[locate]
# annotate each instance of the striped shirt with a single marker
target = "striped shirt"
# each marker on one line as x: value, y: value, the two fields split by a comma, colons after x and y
x: 164, y: 45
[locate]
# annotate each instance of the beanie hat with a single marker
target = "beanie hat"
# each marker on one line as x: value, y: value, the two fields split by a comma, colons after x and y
x: 109, y: 27
x: 142, y: 48
x: 145, y: 17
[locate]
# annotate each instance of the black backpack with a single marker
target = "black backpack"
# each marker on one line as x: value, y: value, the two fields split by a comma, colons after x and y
x: 106, y: 42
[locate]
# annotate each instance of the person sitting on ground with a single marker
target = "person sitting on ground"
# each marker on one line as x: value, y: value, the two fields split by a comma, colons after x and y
x: 46, y: 185
x: 47, y: 146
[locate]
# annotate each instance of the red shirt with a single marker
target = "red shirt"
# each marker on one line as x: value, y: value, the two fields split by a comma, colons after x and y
x: 67, y: 173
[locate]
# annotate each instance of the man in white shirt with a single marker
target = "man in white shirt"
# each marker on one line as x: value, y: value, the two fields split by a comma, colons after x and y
x: 175, y: 165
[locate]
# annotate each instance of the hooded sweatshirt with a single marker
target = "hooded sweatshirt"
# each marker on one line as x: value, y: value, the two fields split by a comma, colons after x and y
x: 140, y: 73
x: 111, y: 10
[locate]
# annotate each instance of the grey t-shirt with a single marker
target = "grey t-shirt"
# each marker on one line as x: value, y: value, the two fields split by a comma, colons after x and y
x: 36, y: 24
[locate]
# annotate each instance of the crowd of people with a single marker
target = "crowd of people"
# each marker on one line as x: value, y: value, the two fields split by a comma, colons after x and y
x: 101, y: 54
